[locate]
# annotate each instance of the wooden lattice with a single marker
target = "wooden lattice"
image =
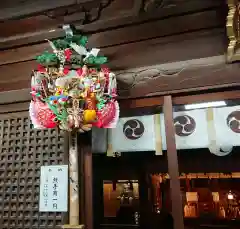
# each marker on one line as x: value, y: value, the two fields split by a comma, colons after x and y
x: 22, y: 151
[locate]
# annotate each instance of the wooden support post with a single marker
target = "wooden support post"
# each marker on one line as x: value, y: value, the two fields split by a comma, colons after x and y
x: 74, y: 191
x: 88, y: 180
x: 177, y: 211
x: 74, y: 183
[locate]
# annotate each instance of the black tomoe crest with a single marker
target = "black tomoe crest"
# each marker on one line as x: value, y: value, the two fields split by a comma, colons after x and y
x: 133, y: 129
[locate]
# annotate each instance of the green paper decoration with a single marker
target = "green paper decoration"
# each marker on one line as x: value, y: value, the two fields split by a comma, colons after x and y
x: 76, y: 61
x: 61, y: 44
x: 98, y: 60
x: 47, y: 59
x: 65, y: 42
x: 80, y: 40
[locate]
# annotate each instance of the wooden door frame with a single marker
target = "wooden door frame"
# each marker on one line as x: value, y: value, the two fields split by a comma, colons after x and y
x: 179, y: 99
x: 167, y: 103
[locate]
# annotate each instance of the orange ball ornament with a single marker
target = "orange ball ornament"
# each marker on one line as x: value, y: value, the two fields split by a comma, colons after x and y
x: 89, y: 116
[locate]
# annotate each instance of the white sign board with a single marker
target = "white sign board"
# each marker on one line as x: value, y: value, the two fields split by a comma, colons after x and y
x: 53, y: 188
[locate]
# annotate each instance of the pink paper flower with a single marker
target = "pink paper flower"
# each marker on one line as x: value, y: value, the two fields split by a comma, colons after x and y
x: 79, y: 71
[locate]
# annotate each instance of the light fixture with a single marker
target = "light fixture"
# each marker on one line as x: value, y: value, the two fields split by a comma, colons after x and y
x: 205, y: 105
x: 230, y: 196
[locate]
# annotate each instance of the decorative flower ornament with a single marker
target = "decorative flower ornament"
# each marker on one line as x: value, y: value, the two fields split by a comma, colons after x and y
x: 71, y: 90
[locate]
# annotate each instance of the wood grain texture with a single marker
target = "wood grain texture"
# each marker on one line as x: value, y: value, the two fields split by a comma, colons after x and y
x: 207, y: 97
x: 17, y: 72
x: 15, y: 107
x: 179, y: 100
x: 167, y: 49
x: 151, y: 83
x: 157, y: 51
x: 190, y: 30
x: 135, y: 54
x: 19, y: 101
x: 88, y: 184
x: 16, y: 85
x: 9, y: 97
x: 115, y: 11
x: 225, y: 78
x: 172, y: 158
x: 166, y: 27
x: 23, y: 54
x: 48, y: 24
x: 27, y: 8
x: 132, y: 33
x: 207, y: 77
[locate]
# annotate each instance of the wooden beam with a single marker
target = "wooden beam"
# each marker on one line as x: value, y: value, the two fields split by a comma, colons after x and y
x: 14, y: 96
x: 111, y: 15
x: 29, y: 8
x: 157, y: 51
x: 142, y: 53
x: 204, y: 78
x: 141, y: 103
x: 23, y: 98
x: 228, y: 75
x: 179, y: 100
x: 15, y: 107
x: 176, y: 197
x: 49, y: 27
x: 166, y: 27
x: 201, y: 98
x: 151, y: 29
x: 14, y: 85
x: 26, y: 96
x: 176, y: 9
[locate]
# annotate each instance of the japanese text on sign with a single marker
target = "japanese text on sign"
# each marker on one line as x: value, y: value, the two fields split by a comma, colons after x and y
x: 54, y: 188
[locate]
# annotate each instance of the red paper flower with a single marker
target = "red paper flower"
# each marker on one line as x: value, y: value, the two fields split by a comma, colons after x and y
x: 66, y: 70
x: 105, y: 70
x: 67, y: 53
x: 41, y: 68
x: 92, y: 70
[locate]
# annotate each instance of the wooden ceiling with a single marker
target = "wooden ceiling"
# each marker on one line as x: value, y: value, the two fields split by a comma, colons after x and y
x: 133, y: 33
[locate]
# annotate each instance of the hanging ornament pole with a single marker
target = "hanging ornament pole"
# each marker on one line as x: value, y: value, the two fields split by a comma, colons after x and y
x: 73, y: 183
x: 72, y: 91
x: 73, y: 176
x: 73, y: 171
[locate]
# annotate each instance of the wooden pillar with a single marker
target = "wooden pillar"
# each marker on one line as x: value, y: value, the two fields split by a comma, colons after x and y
x: 88, y: 180
x: 177, y: 211
x: 81, y: 181
x: 144, y: 202
x: 74, y: 199
x: 74, y: 183
x: 86, y: 169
